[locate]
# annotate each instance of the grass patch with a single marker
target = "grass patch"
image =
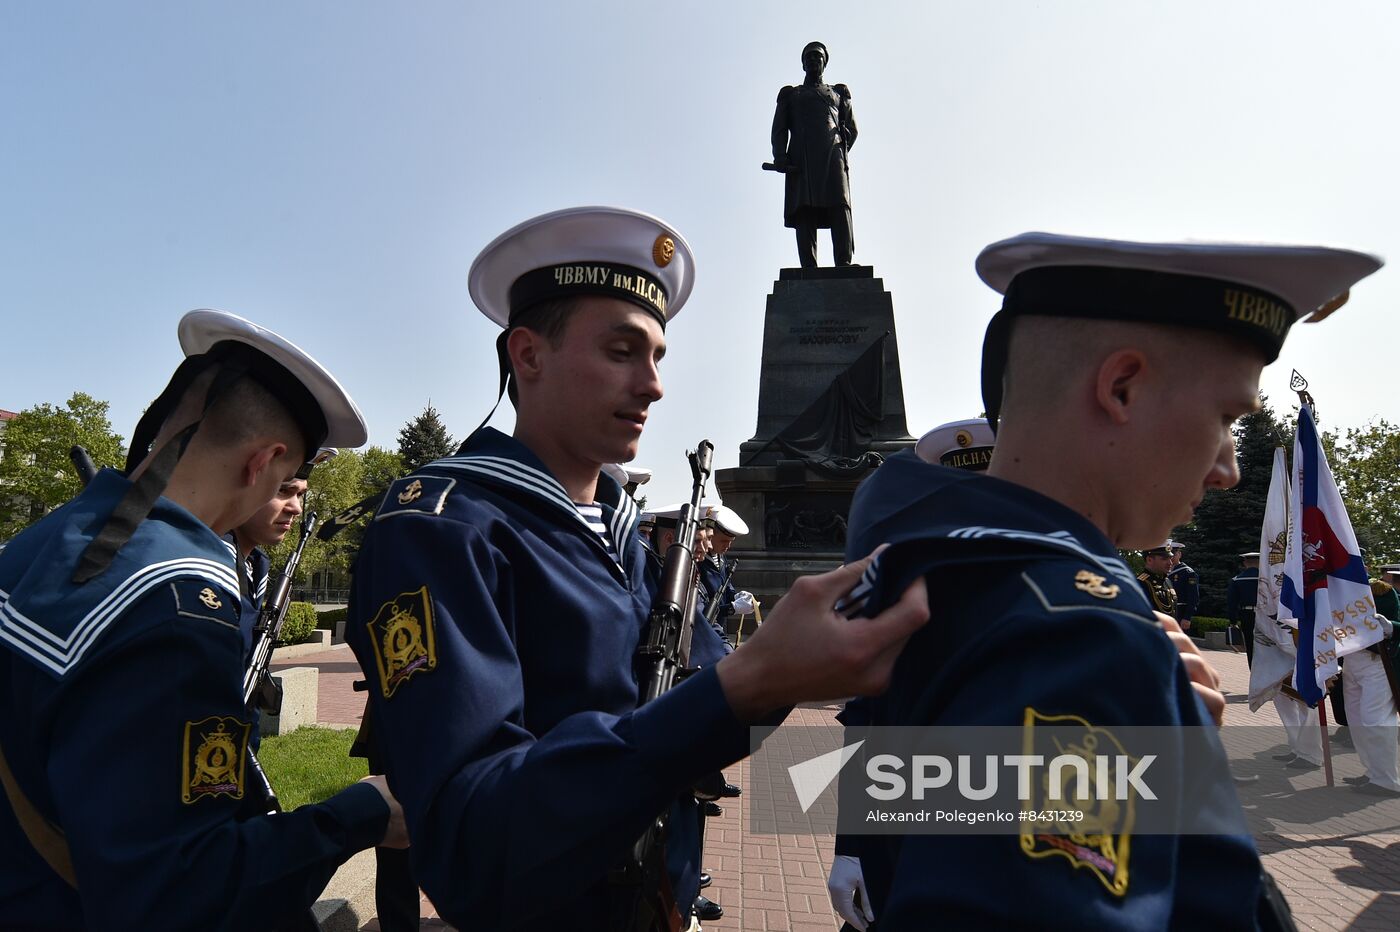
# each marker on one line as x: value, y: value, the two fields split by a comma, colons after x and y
x: 310, y: 764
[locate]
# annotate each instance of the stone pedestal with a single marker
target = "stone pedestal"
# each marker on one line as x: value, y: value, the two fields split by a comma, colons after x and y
x: 820, y: 325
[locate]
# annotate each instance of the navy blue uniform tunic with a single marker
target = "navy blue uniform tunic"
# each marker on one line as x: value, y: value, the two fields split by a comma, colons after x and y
x: 498, y: 637
x: 1032, y: 608
x: 121, y: 716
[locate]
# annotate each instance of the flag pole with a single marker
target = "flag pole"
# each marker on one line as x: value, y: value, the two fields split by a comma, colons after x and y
x: 1300, y: 385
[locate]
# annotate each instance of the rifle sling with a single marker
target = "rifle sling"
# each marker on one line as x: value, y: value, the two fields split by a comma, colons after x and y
x: 46, y: 837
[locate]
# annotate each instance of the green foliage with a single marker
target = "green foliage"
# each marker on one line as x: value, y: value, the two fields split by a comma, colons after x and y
x: 328, y: 620
x: 1228, y: 521
x: 36, y: 474
x: 299, y: 623
x: 334, y: 486
x: 311, y: 764
x: 1366, y: 464
x: 1200, y: 624
x: 424, y: 439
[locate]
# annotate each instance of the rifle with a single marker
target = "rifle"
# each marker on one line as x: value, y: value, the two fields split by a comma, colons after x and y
x: 664, y: 652
x: 258, y: 685
x: 712, y: 611
x: 271, y: 617
x: 83, y: 463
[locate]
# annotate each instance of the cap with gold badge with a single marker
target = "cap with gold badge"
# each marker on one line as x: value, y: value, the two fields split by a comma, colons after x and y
x: 965, y: 444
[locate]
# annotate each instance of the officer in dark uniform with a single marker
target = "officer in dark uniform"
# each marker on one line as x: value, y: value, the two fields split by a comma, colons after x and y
x: 122, y: 724
x: 1082, y: 361
x: 1241, y: 596
x: 1154, y: 582
x: 500, y: 595
x: 1187, y: 585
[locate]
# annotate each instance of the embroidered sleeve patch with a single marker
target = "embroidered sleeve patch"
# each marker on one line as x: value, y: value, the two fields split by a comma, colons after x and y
x: 1099, y: 841
x: 415, y: 495
x: 212, y: 759
x: 401, y: 633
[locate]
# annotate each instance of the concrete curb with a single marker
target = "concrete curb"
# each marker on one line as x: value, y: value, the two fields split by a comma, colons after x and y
x: 347, y: 903
x: 298, y: 650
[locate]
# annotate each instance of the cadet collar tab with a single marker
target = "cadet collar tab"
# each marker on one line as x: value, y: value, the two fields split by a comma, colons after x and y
x: 1255, y: 291
x: 609, y: 251
x: 965, y: 444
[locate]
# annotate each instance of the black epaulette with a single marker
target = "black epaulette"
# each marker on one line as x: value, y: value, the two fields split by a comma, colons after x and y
x: 843, y: 90
x: 785, y: 92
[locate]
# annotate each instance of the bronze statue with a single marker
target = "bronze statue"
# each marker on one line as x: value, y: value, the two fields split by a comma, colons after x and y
x: 813, y: 128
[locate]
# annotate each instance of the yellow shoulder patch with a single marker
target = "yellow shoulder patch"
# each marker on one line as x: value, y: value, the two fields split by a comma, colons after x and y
x: 1099, y: 839
x: 212, y: 759
x: 401, y: 633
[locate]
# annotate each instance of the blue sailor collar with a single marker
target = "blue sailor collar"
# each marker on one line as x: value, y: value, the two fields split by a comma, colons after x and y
x: 495, y: 459
x: 55, y: 623
x: 253, y: 572
x: 933, y: 516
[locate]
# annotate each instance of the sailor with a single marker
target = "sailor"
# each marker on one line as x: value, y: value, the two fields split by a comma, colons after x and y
x: 628, y: 476
x: 1186, y: 584
x: 122, y: 724
x: 1372, y: 721
x: 1153, y: 579
x: 1082, y: 369
x: 1240, y: 597
x: 500, y: 595
x: 717, y: 571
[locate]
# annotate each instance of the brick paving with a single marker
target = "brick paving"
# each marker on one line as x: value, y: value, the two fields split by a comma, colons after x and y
x: 336, y: 701
x: 1337, y: 875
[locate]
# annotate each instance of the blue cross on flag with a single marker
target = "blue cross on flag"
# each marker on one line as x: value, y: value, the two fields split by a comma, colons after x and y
x: 1325, y: 588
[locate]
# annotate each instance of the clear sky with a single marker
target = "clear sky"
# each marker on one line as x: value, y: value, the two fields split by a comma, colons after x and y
x: 330, y: 170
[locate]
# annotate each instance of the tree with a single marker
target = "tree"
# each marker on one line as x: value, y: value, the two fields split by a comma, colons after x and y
x: 334, y: 486
x: 1366, y: 464
x: 1228, y: 521
x: 36, y: 474
x: 424, y: 439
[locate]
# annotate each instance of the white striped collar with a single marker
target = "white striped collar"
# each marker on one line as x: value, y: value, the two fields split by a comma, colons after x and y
x: 60, y: 654
x: 620, y: 513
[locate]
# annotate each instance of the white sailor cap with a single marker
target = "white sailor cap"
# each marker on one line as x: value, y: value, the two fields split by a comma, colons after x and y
x: 321, y: 406
x: 625, y: 475
x: 1176, y: 545
x: 727, y: 520
x: 963, y: 444
x: 1255, y: 291
x: 322, y: 455
x: 666, y: 515
x: 1252, y: 555
x: 609, y: 251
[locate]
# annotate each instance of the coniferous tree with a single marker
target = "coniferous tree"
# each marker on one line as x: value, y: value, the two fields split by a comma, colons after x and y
x: 424, y: 439
x: 1228, y: 521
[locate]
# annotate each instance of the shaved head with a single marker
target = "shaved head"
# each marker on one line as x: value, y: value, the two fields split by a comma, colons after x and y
x: 1127, y: 423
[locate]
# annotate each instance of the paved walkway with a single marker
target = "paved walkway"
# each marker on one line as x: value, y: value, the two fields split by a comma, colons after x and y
x: 1343, y: 879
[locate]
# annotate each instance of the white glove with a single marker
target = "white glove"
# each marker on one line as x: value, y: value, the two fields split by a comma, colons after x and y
x: 743, y: 603
x: 845, y: 883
